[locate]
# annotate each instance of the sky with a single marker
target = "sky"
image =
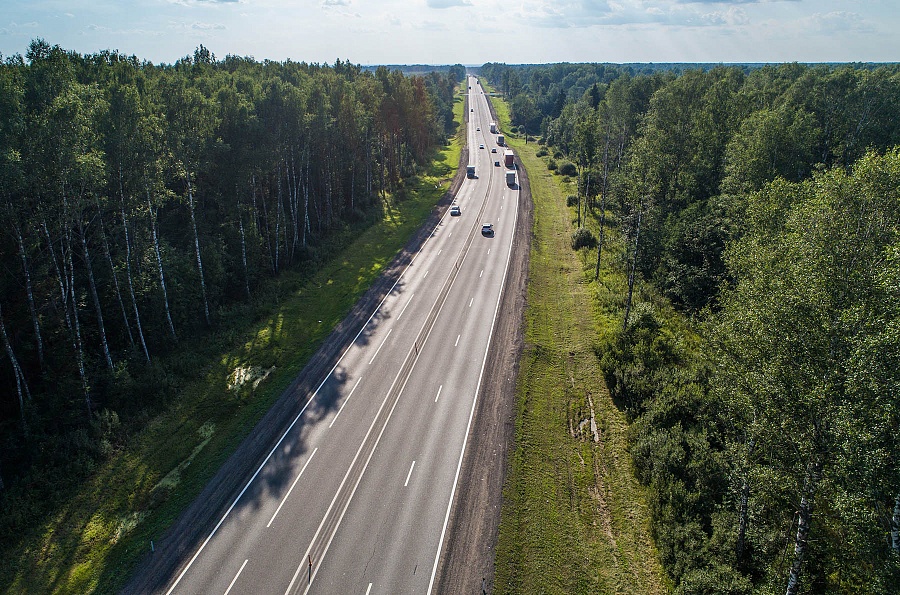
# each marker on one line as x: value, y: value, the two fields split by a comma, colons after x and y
x: 469, y: 32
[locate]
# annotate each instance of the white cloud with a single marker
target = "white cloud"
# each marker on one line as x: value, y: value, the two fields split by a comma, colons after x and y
x: 208, y: 26
x: 447, y: 3
x: 16, y: 28
x: 838, y: 22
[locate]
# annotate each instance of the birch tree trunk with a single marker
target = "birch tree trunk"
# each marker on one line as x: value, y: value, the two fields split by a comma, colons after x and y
x: 243, y: 249
x: 804, y: 516
x: 895, y: 527
x: 115, y: 277
x: 94, y: 295
x: 137, y: 314
x: 159, y: 264
x: 30, y: 293
x: 21, y: 384
x: 79, y: 344
x: 59, y: 277
x: 743, y: 510
x: 187, y: 177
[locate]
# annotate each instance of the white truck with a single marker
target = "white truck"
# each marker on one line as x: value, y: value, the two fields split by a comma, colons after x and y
x: 493, y: 128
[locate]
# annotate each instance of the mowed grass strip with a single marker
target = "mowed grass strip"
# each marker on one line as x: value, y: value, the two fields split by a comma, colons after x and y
x: 574, y: 518
x: 104, y: 525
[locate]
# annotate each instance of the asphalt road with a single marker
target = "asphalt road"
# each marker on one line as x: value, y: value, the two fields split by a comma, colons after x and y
x: 355, y: 496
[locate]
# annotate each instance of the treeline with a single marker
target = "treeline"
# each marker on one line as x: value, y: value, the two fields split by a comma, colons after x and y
x: 139, y: 202
x: 764, y: 207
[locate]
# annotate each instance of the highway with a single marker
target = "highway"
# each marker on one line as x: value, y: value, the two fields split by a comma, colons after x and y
x: 356, y: 495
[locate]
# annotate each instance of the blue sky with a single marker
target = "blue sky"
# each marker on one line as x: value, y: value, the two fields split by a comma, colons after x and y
x: 465, y: 31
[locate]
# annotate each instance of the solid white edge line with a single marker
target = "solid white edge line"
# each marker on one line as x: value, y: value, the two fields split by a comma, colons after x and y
x: 380, y: 346
x: 358, y: 380
x: 234, y: 580
x: 462, y: 451
x: 404, y: 307
x: 303, y: 410
x: 440, y: 388
x: 408, y: 475
x: 283, y: 500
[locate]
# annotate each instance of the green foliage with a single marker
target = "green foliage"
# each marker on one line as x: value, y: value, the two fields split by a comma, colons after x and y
x: 583, y: 238
x: 567, y: 168
x: 551, y: 165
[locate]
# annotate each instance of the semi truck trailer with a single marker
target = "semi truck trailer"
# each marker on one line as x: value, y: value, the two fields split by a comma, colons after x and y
x: 508, y: 157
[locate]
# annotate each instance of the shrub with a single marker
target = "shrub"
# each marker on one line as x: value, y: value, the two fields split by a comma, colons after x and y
x: 557, y: 154
x: 571, y: 200
x: 542, y: 153
x: 568, y: 169
x: 551, y: 165
x: 583, y: 238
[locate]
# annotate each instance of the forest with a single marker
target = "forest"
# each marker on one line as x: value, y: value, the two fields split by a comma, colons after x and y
x: 143, y: 204
x: 755, y: 342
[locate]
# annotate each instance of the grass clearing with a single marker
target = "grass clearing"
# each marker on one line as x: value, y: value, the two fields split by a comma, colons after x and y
x: 101, y: 527
x: 574, y: 517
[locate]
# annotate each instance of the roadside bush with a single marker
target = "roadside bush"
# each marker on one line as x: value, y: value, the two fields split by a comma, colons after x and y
x: 542, y: 153
x: 583, y: 238
x: 557, y: 154
x: 571, y: 200
x: 551, y: 165
x: 568, y: 169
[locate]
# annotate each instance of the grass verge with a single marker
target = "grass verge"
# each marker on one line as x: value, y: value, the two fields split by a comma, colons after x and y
x: 101, y: 528
x: 574, y: 517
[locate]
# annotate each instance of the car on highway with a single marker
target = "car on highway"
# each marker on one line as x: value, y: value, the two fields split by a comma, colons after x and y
x: 481, y: 146
x: 487, y: 229
x: 455, y: 211
x: 496, y: 164
x: 478, y: 129
x: 493, y: 149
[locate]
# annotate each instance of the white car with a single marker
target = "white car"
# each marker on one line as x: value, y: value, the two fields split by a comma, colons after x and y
x: 478, y: 129
x: 481, y: 146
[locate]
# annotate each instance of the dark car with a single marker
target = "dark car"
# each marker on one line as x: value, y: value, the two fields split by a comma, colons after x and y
x: 487, y: 229
x: 454, y: 211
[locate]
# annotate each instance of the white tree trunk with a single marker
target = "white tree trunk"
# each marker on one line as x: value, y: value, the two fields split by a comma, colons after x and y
x: 30, y: 293
x: 804, y: 516
x: 243, y: 250
x: 895, y: 527
x: 79, y: 345
x: 94, y: 295
x: 115, y: 277
x: 159, y: 265
x: 21, y: 384
x: 137, y: 314
x: 59, y: 277
x: 187, y: 177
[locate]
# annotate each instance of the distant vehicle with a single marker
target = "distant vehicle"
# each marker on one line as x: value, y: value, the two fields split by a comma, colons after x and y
x: 472, y: 110
x: 470, y: 171
x: 481, y: 146
x: 496, y: 164
x: 494, y: 128
x: 487, y: 229
x: 511, y: 177
x: 500, y: 140
x: 477, y: 129
x: 470, y: 86
x: 493, y: 149
x: 508, y: 157
x: 454, y: 211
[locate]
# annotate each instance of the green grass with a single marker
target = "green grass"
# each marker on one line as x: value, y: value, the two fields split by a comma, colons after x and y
x: 92, y: 540
x: 574, y: 517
